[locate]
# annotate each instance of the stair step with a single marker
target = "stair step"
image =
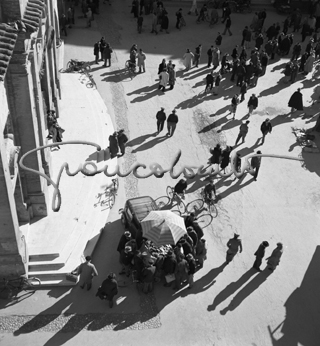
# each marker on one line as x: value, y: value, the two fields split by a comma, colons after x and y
x: 48, y: 283
x: 48, y: 275
x: 43, y: 257
x: 44, y: 266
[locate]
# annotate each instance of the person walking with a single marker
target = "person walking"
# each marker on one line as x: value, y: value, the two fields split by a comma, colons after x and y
x: 252, y: 103
x: 96, y: 50
x: 165, y: 23
x: 161, y: 118
x: 244, y: 128
x: 209, y: 81
x: 187, y: 60
x: 274, y: 260
x: 122, y: 140
x: 147, y: 276
x: 87, y: 271
x: 218, y: 40
x: 164, y: 79
x: 296, y: 102
x: 103, y: 44
x: 89, y: 17
x: 240, y: 72
x: 308, y: 67
x: 216, y: 57
x: 259, y: 255
x: 265, y: 128
x: 108, y: 289
x: 215, y: 154
x: 154, y: 23
x: 172, y: 76
x: 141, y: 61
x: 234, y: 105
x: 217, y: 84
x: 210, y: 55
x: 113, y: 145
x: 255, y: 164
x: 234, y: 245
x: 107, y: 55
x: 227, y: 28
x: 172, y: 122
x: 179, y: 19
x: 197, y: 55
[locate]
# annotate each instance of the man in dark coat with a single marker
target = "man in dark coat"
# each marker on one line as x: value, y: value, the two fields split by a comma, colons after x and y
x: 113, y: 145
x: 265, y: 128
x: 109, y: 288
x: 172, y: 123
x: 126, y: 236
x: 107, y: 55
x: 255, y: 164
x: 161, y: 118
x: 252, y: 103
x: 295, y: 101
x: 122, y: 140
x: 259, y: 255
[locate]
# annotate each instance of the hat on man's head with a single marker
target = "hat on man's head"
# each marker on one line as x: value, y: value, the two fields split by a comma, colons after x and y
x: 265, y: 243
x: 162, y: 108
x: 236, y: 235
x: 174, y: 111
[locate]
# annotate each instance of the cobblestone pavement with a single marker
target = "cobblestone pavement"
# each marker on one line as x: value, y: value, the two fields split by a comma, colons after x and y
x: 148, y: 317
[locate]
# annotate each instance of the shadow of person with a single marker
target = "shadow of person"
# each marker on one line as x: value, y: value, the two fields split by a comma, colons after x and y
x: 147, y: 96
x: 143, y: 90
x: 150, y: 144
x: 47, y: 316
x: 231, y: 124
x: 230, y: 289
x: 247, y: 290
x: 99, y: 156
x: 204, y: 283
x: 236, y: 187
x: 140, y: 139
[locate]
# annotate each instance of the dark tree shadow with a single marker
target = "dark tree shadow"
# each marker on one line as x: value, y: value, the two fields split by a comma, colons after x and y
x: 150, y: 144
x: 247, y: 290
x: 231, y: 288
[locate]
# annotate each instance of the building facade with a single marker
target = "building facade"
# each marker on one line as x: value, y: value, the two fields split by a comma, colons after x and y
x: 29, y: 87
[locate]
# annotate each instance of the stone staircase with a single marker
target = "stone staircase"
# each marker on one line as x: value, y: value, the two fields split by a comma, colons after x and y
x: 63, y: 252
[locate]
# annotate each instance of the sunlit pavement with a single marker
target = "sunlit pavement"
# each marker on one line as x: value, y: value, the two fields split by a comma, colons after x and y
x: 227, y: 306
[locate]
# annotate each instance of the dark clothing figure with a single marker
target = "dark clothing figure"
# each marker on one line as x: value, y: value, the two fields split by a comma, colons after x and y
x: 122, y: 140
x: 210, y: 56
x: 193, y: 235
x: 225, y: 157
x: 64, y: 24
x: 234, y: 245
x: 109, y: 289
x: 227, y: 28
x: 252, y: 103
x: 172, y: 123
x: 161, y: 118
x: 219, y: 40
x: 161, y: 67
x: 209, y: 81
x: 296, y: 101
x: 255, y: 164
x: 303, y: 61
x: 265, y: 128
x: 139, y: 24
x: 113, y: 145
x: 243, y: 91
x: 181, y: 186
x: 107, y: 55
x: 169, y: 265
x: 216, y: 153
x: 147, y: 276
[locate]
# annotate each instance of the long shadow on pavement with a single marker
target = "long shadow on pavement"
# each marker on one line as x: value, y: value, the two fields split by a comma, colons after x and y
x: 247, y: 290
x: 231, y: 288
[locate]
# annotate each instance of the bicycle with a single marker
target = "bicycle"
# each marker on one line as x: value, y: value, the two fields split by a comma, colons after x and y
x: 89, y: 83
x: 13, y: 286
x: 110, y: 193
x: 173, y: 196
x: 75, y: 65
x: 131, y: 68
x: 210, y: 203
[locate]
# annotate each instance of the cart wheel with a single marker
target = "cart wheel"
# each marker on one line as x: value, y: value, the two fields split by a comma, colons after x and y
x: 170, y: 192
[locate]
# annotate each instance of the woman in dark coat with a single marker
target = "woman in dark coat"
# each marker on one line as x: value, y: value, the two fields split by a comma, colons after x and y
x: 113, y: 145
x: 295, y: 101
x: 216, y: 153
